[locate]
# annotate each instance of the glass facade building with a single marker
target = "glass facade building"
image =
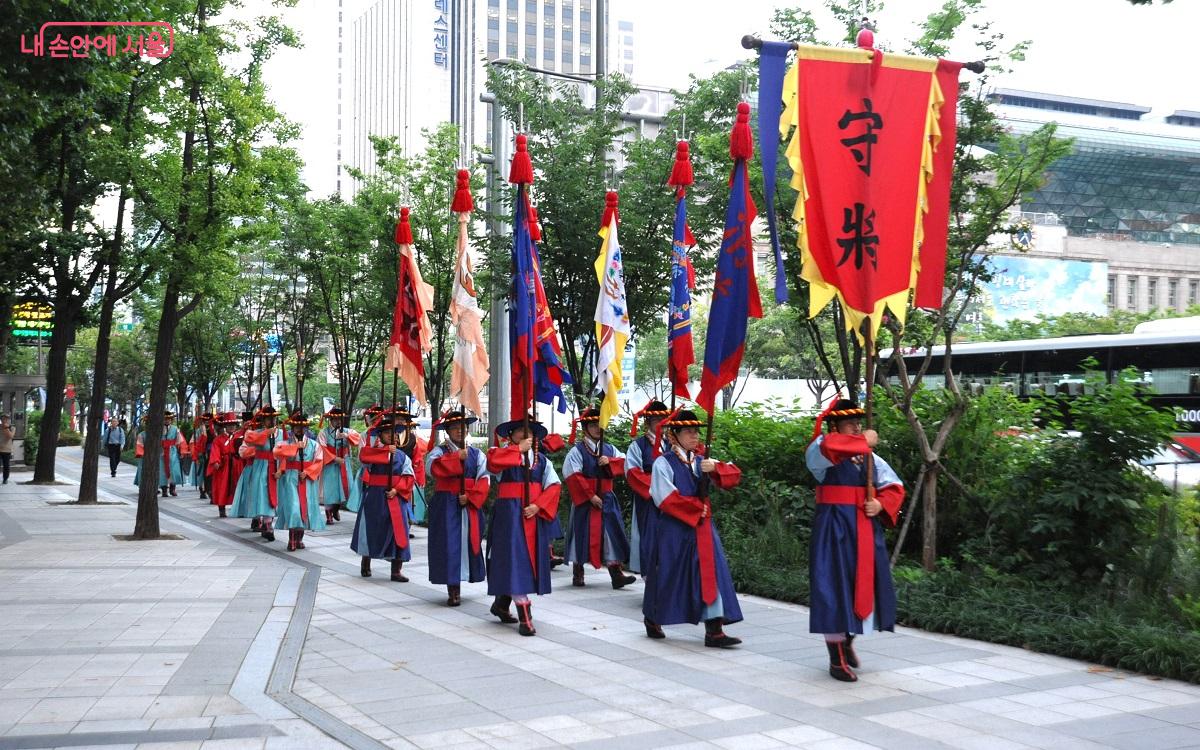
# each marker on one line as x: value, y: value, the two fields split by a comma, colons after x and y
x: 1126, y: 179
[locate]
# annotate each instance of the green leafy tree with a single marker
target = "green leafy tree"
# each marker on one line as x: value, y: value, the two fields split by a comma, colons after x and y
x: 425, y: 181
x: 211, y: 179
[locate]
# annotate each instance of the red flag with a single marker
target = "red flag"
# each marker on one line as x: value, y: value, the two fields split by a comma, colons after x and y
x: 412, y: 335
x: 868, y: 127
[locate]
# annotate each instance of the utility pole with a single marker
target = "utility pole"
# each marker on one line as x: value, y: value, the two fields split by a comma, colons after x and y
x: 601, y: 37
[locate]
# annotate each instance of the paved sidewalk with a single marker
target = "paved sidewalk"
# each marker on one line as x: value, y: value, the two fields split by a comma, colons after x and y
x: 221, y: 640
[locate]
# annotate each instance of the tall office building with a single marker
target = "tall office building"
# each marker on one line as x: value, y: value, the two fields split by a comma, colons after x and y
x: 558, y: 35
x: 622, y: 61
x: 409, y: 65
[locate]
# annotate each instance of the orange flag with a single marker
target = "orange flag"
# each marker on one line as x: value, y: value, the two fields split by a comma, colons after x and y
x: 412, y: 334
x: 470, y: 370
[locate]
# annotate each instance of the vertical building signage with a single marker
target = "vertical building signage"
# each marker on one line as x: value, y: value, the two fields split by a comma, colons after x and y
x: 441, y: 34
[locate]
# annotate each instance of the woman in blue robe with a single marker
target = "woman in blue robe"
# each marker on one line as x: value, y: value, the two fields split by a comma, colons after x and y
x: 297, y: 487
x: 381, y: 528
x: 850, y: 577
x: 689, y: 579
x: 518, y: 551
x: 597, y: 523
x: 455, y: 507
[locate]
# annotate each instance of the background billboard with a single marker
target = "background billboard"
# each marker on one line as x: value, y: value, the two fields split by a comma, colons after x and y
x: 1024, y: 287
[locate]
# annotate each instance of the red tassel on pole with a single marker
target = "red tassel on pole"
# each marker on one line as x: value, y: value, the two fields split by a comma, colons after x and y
x: 463, y: 203
x: 741, y: 140
x: 610, y: 209
x: 521, y: 172
x: 681, y: 173
x: 535, y: 228
x: 403, y: 230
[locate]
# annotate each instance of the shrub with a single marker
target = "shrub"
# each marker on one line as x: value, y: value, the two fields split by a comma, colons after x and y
x: 69, y: 437
x: 33, y: 432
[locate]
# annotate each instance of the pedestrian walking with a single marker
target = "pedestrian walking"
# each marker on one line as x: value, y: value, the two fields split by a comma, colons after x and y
x: 6, y: 446
x: 114, y: 443
x: 597, y: 526
x: 461, y: 484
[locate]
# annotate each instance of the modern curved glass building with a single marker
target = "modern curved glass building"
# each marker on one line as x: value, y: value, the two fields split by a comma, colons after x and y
x: 1128, y: 195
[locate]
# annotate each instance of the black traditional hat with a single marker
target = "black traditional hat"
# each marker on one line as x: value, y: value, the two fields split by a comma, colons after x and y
x: 299, y: 418
x: 168, y: 414
x: 458, y: 416
x: 680, y: 419
x: 652, y: 410
x: 266, y: 411
x: 247, y: 416
x: 845, y: 408
x: 590, y: 414
x: 506, y: 429
x: 402, y: 418
x: 336, y: 411
x: 230, y: 417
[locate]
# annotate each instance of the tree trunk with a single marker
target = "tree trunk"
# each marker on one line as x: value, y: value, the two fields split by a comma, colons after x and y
x: 56, y: 381
x: 929, y: 520
x: 6, y: 305
x: 95, y: 413
x: 146, y: 525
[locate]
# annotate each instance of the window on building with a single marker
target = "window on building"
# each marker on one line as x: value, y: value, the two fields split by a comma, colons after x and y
x: 1112, y: 291
x: 1131, y: 292
x: 628, y: 40
x: 511, y: 46
x: 512, y: 29
x: 625, y: 25
x: 628, y: 54
x: 628, y: 70
x: 1152, y: 293
x: 585, y: 35
x: 1193, y: 291
x: 1172, y: 294
x: 585, y: 63
x: 531, y: 30
x: 567, y: 36
x: 493, y: 48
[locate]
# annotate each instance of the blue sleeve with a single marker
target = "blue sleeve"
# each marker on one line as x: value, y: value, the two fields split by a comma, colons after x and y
x: 573, y: 463
x: 403, y: 464
x: 480, y: 463
x: 816, y: 461
x: 885, y: 474
x: 633, y: 459
x: 432, y: 456
x: 662, y: 480
x: 549, y: 475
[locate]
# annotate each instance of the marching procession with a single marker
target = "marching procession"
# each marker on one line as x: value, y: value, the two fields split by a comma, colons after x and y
x: 493, y: 515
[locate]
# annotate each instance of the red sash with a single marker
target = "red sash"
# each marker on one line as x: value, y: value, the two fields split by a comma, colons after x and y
x: 454, y: 486
x: 301, y: 487
x: 393, y: 506
x: 342, y: 452
x: 166, y: 478
x: 516, y: 491
x: 864, y: 574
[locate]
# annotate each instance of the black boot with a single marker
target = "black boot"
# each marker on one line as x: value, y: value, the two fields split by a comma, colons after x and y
x: 268, y: 531
x: 328, y: 514
x: 500, y: 609
x: 164, y: 490
x: 173, y: 491
x: 619, y: 579
x: 256, y: 524
x: 839, y: 668
x: 291, y: 540
x: 337, y: 516
x: 221, y: 512
x: 453, y: 596
x: 714, y: 636
x: 299, y: 538
x: 577, y: 575
x: 653, y: 629
x: 397, y: 576
x: 365, y: 568
x: 851, y: 657
x: 525, y: 615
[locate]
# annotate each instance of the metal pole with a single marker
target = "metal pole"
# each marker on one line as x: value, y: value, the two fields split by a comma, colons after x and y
x: 601, y: 38
x: 498, y: 354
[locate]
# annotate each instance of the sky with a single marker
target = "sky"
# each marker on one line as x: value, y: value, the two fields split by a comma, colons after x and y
x: 1101, y: 49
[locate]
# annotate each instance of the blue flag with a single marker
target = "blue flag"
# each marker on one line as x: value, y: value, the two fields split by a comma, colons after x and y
x: 772, y: 61
x: 680, y: 351
x: 735, y: 293
x: 537, y: 370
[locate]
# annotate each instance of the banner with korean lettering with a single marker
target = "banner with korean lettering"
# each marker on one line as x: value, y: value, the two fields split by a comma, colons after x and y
x: 867, y: 127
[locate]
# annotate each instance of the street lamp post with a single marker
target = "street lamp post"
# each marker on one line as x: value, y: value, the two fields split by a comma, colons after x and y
x: 498, y: 345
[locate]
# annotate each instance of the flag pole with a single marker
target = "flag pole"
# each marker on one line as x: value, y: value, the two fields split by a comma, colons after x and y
x: 869, y: 401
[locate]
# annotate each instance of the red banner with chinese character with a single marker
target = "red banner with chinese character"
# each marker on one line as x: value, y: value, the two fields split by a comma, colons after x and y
x: 868, y: 126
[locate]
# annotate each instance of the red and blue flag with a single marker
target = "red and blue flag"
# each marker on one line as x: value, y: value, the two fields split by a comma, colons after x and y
x: 537, y: 369
x: 735, y: 296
